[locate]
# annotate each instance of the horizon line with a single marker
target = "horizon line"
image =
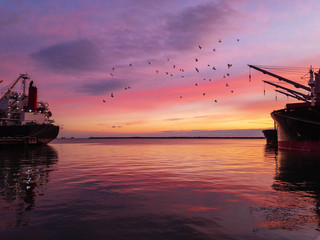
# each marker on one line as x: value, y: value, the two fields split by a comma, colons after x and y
x: 137, y: 137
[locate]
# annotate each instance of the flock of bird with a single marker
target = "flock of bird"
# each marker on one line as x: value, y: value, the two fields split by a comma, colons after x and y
x: 181, y: 70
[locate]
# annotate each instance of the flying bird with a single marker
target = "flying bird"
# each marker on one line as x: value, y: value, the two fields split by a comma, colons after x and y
x: 174, y: 66
x: 220, y: 41
x: 229, y: 65
x: 213, y: 68
x: 197, y: 70
x: 130, y: 65
x: 157, y: 71
x: 103, y: 100
x: 215, y: 101
x: 111, y: 74
x: 231, y: 91
x: 228, y: 74
x: 149, y: 62
x: 227, y: 85
x: 112, y: 95
x: 214, y: 50
x: 199, y: 46
x: 203, y: 94
x: 196, y: 84
x: 113, y: 69
x: 238, y: 39
x: 196, y: 59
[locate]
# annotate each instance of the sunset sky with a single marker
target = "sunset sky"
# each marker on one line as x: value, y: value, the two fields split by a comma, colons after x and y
x: 70, y: 48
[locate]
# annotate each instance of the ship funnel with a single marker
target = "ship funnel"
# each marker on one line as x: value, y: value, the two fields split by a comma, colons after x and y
x: 32, y: 98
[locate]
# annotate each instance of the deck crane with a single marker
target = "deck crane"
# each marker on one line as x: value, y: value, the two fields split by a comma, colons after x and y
x: 313, y: 90
x: 24, y: 76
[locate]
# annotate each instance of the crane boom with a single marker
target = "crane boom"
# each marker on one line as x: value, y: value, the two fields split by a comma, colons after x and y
x: 306, y: 97
x: 297, y: 85
x: 292, y: 95
x: 24, y: 76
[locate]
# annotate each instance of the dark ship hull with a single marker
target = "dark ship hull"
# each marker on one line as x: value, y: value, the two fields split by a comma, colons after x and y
x: 28, y: 134
x: 298, y: 127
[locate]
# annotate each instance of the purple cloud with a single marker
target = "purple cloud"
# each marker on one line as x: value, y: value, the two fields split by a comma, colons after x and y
x: 139, y: 34
x: 191, y: 25
x: 170, y: 32
x: 79, y: 55
x: 8, y: 16
x: 99, y: 87
x: 173, y: 119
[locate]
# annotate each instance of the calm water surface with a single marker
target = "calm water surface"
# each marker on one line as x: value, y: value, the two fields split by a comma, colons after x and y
x: 158, y: 189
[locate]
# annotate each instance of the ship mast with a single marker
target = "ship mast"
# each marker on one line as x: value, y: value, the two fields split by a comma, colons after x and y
x: 311, y: 83
x: 24, y: 82
x: 317, y: 86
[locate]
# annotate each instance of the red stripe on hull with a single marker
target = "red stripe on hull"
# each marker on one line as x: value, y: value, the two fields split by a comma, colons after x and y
x: 300, y: 145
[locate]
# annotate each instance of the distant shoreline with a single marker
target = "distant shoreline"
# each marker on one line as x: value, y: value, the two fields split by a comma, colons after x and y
x: 176, y: 137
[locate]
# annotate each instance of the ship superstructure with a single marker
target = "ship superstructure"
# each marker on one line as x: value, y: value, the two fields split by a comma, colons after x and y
x: 23, y: 118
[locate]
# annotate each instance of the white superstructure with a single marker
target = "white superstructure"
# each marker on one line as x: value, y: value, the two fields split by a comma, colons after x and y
x: 20, y: 108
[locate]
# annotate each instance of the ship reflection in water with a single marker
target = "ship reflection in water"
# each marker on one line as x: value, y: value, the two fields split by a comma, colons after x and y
x: 297, y: 183
x: 23, y: 178
x: 158, y: 189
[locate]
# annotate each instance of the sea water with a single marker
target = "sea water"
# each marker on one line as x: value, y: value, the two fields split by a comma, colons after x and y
x: 158, y: 189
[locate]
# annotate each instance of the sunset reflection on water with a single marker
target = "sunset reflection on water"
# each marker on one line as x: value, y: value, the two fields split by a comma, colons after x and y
x: 167, y: 189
